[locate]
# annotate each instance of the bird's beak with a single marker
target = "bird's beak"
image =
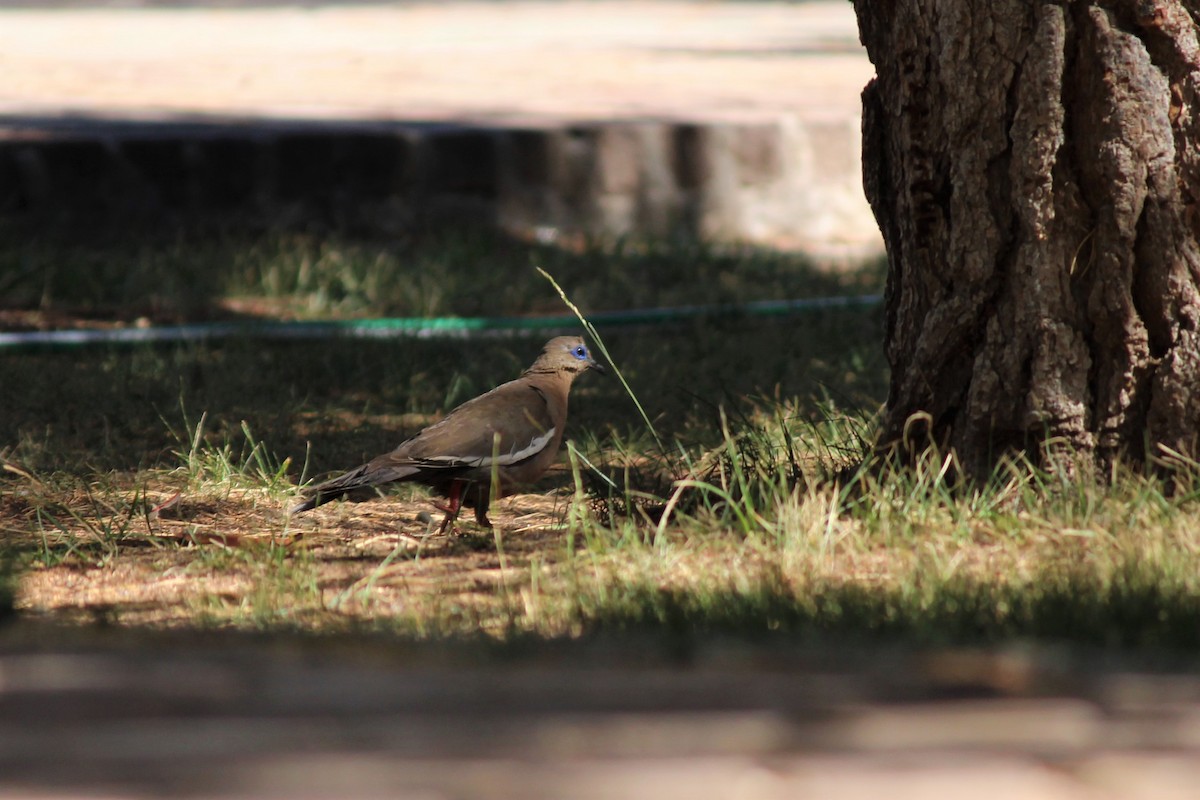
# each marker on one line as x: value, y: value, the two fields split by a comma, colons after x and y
x: 597, y: 366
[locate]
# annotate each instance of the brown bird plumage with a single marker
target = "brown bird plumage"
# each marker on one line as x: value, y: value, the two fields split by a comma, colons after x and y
x: 513, y: 431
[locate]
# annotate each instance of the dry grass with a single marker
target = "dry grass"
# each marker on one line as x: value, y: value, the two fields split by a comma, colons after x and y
x: 1117, y: 565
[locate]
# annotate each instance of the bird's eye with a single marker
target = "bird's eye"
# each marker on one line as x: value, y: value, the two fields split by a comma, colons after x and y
x: 580, y: 352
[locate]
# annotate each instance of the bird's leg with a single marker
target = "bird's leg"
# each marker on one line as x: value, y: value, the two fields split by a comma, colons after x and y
x: 453, y: 504
x: 481, y: 507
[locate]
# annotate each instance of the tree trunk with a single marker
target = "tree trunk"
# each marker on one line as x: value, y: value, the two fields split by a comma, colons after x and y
x: 1034, y: 168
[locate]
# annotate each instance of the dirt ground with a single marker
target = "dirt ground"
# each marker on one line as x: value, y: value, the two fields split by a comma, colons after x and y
x: 108, y: 688
x: 201, y: 559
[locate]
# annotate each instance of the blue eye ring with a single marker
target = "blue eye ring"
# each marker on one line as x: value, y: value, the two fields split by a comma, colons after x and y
x: 580, y: 352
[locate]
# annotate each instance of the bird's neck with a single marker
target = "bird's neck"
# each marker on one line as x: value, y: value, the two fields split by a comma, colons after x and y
x: 551, y: 371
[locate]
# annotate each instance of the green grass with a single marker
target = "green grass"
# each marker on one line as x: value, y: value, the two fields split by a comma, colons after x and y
x: 746, y: 518
x: 1134, y: 608
x: 433, y: 272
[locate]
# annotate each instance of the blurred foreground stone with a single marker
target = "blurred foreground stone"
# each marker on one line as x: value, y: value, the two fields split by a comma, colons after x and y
x: 119, y: 714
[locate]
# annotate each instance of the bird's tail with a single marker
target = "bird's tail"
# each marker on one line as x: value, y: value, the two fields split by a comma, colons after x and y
x: 364, y: 477
x: 311, y: 501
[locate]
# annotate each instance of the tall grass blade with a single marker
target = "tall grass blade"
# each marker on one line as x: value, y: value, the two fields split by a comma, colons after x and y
x: 595, y: 336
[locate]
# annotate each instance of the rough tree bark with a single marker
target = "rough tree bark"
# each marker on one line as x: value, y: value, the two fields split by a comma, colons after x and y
x: 1035, y: 169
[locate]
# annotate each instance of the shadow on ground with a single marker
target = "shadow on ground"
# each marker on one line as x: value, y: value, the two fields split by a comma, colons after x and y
x: 87, y: 408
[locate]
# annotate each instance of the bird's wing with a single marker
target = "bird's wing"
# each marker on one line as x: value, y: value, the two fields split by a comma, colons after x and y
x: 517, y: 413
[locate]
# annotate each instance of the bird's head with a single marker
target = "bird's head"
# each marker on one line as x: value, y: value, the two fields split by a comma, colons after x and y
x: 566, y: 354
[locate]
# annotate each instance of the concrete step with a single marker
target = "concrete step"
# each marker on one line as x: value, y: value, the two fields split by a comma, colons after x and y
x: 785, y: 184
